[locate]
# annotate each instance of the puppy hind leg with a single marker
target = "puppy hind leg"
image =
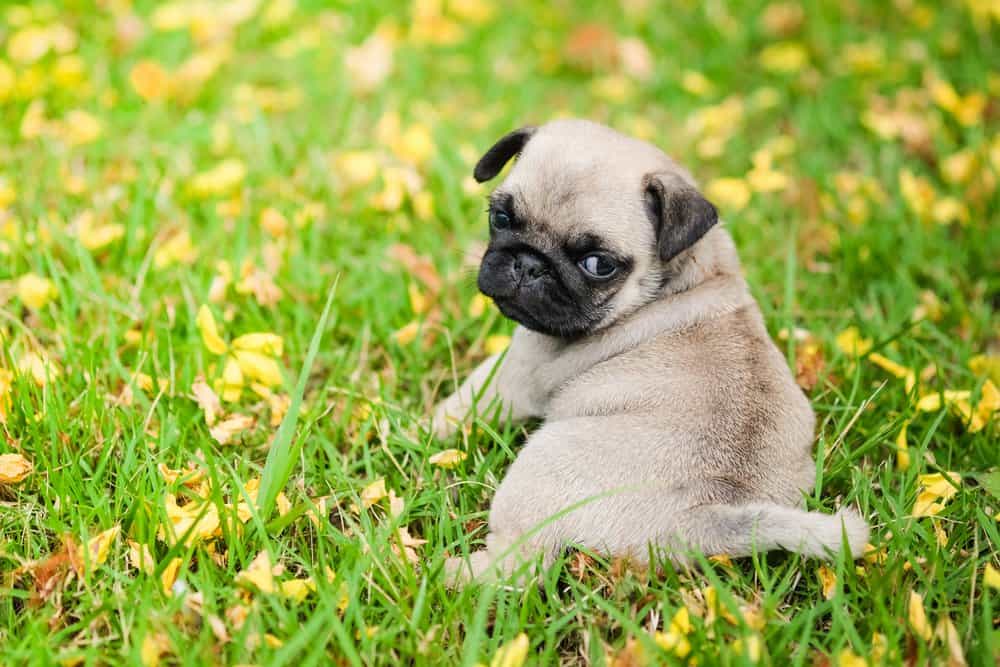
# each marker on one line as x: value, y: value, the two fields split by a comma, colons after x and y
x: 739, y: 530
x: 504, y: 559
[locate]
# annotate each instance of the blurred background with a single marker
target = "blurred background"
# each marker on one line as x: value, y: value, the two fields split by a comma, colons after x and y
x: 242, y: 157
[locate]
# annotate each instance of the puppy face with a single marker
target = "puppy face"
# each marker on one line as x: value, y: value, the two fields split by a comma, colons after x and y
x: 585, y: 228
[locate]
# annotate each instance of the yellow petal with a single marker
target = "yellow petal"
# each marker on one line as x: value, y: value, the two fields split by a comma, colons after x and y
x: 96, y: 550
x: 297, y: 589
x: 356, y: 169
x: 207, y: 400
x: 848, y: 658
x: 828, y: 581
x: 40, y: 368
x: 178, y: 249
x: 673, y: 642
x: 273, y: 222
x: 259, y: 367
x: 448, y: 458
x: 373, y: 493
x: 784, y: 57
x: 850, y: 342
x: 918, y: 617
x: 260, y: 573
x: 169, y: 576
x: 986, y: 365
x: 991, y: 576
x: 231, y: 383
x: 34, y: 291
x: 81, y: 127
x: 224, y: 431
x: 210, y: 331
x: 513, y: 653
x: 140, y: 557
x: 477, y: 306
x: 496, y: 343
x: 730, y: 194
x: 889, y: 366
x: 902, y: 448
x: 407, y: 334
x: 150, y: 80
x: 265, y: 343
x: 219, y: 180
x: 14, y: 468
x: 934, y: 492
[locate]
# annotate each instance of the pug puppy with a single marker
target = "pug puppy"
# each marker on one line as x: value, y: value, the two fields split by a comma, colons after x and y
x: 671, y: 420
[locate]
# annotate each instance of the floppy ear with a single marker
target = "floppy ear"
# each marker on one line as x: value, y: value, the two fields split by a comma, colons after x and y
x: 680, y: 214
x: 501, y: 152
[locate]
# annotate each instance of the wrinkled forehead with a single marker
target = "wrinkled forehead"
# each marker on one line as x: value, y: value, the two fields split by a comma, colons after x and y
x: 569, y: 199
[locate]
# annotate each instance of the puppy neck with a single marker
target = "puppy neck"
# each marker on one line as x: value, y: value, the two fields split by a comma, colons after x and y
x: 712, y: 258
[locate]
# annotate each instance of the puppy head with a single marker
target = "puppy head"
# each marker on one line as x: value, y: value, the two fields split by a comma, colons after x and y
x: 588, y: 226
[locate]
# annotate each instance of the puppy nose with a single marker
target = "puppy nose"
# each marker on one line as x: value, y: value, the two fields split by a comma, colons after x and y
x: 528, y: 267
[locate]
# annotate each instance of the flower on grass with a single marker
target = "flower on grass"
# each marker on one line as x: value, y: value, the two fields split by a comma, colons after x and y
x: 248, y: 358
x: 14, y: 468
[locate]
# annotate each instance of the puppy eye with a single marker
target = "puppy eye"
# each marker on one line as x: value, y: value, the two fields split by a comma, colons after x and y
x: 598, y: 265
x: 499, y: 220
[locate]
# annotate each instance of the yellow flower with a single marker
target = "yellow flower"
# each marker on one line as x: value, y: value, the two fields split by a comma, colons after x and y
x: 918, y: 193
x: 297, y: 589
x: 6, y: 382
x: 407, y: 334
x: 918, y: 617
x: 415, y: 145
x: 219, y: 180
x: 251, y: 357
x: 512, y: 653
x: 8, y: 79
x: 449, y: 458
x: 93, y: 554
x: 373, y: 493
x: 959, y: 167
x: 150, y: 80
x: 81, y: 127
x: 34, y: 291
x: 828, y: 581
x: 784, y: 57
x: 369, y: 64
x: 260, y: 573
x: 935, y: 491
x: 496, y: 343
x: 728, y: 193
x: 986, y: 365
x: 851, y: 343
x: 696, y: 83
x: 897, y: 370
x: 273, y: 222
x: 93, y: 235
x: 902, y: 448
x: 8, y: 195
x: 967, y: 110
x: 355, y: 169
x: 169, y: 576
x: 210, y: 331
x: 14, y: 468
x: 991, y: 577
x: 28, y: 45
x: 178, y: 249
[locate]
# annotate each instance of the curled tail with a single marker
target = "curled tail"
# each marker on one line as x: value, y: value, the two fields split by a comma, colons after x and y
x: 739, y: 530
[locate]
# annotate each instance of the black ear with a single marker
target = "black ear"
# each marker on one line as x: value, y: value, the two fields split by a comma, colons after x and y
x: 680, y: 214
x: 501, y: 152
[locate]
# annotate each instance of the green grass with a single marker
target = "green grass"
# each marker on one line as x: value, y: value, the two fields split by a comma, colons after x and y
x: 364, y: 393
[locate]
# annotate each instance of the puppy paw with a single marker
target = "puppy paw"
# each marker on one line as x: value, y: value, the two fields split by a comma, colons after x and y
x: 447, y: 418
x: 856, y: 529
x: 460, y: 571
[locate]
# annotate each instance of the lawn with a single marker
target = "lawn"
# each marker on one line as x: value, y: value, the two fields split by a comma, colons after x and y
x: 177, y: 177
